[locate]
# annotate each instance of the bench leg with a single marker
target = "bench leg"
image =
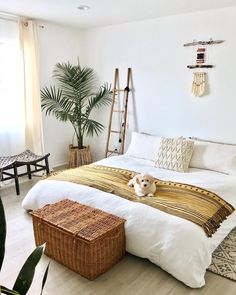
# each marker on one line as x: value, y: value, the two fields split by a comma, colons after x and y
x: 29, y: 171
x: 47, y: 165
x: 16, y: 180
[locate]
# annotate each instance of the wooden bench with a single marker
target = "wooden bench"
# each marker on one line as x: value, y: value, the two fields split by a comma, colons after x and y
x: 9, y: 166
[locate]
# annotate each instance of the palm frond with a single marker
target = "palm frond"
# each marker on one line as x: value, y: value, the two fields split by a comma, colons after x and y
x: 75, y: 81
x: 88, y: 82
x: 65, y: 73
x: 91, y: 127
x: 5, y: 290
x: 53, y: 102
x: 26, y: 274
x: 44, y: 278
x: 102, y: 98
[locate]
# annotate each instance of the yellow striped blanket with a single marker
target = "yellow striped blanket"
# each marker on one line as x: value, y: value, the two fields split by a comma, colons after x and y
x: 198, y: 205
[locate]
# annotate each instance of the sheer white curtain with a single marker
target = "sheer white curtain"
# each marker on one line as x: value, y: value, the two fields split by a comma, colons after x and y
x: 33, y: 118
x: 20, y: 107
x: 12, y: 122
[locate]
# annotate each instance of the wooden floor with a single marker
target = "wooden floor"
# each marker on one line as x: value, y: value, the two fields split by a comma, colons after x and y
x: 131, y: 276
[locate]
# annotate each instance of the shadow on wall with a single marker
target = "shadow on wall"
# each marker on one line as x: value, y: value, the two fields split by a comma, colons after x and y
x: 207, y: 89
x: 132, y: 113
x: 135, y: 117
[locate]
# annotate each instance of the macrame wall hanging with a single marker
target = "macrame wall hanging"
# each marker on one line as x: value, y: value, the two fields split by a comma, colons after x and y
x: 201, y: 60
x: 198, y: 86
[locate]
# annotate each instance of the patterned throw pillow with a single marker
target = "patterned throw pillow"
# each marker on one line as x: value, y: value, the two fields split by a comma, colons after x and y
x: 174, y: 154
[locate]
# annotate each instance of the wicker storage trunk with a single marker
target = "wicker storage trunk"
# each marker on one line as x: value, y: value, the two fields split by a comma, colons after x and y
x: 86, y: 240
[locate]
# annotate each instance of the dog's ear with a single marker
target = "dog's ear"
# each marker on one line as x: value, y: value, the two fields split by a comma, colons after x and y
x: 131, y: 182
x: 137, y: 178
x: 151, y: 179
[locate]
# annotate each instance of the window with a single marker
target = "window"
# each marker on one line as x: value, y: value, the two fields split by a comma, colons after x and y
x: 11, y: 90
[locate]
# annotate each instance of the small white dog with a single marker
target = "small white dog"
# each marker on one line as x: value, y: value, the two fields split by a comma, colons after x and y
x: 143, y: 185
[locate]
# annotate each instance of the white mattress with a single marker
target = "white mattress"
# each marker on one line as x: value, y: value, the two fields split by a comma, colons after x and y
x: 176, y: 245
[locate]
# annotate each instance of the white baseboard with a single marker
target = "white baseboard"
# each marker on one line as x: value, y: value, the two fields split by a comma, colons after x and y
x: 56, y: 165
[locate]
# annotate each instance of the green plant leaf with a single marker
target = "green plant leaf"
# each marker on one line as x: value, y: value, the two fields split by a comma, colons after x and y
x: 44, y: 278
x: 4, y: 290
x: 3, y: 232
x: 26, y: 275
x: 92, y: 127
x: 74, y: 80
x: 102, y: 98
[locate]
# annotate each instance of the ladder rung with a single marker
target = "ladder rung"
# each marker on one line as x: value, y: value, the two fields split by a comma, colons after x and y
x: 115, y: 152
x: 118, y: 111
x: 115, y: 131
x: 118, y: 90
x: 126, y: 89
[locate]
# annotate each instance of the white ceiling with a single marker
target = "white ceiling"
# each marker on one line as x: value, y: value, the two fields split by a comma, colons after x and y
x: 105, y: 12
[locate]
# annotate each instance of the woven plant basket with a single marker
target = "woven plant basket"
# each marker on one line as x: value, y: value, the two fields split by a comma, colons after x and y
x: 78, y: 157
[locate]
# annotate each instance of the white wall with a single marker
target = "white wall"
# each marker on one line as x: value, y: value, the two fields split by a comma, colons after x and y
x: 163, y: 103
x: 57, y: 44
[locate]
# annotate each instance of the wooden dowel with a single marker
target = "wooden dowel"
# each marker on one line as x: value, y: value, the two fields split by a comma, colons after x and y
x: 210, y: 42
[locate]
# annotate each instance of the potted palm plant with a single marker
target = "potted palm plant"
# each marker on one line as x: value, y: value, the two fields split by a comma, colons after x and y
x: 74, y: 98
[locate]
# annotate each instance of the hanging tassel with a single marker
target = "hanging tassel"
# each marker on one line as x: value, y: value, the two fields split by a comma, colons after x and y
x: 198, y: 86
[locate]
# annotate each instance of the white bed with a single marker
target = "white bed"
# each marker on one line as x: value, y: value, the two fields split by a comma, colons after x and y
x: 176, y: 245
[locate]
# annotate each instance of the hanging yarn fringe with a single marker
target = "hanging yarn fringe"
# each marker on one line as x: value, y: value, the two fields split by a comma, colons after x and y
x: 198, y: 86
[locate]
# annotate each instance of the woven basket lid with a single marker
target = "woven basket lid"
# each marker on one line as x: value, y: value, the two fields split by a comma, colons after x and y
x: 80, y: 220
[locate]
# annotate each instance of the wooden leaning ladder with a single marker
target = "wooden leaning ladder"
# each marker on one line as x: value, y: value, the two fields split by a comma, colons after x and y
x: 122, y: 112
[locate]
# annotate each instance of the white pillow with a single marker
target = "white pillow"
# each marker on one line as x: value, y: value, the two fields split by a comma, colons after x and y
x: 143, y: 146
x: 214, y: 156
x: 174, y: 154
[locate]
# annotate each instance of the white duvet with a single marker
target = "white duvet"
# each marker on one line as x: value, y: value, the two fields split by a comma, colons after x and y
x: 176, y: 245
